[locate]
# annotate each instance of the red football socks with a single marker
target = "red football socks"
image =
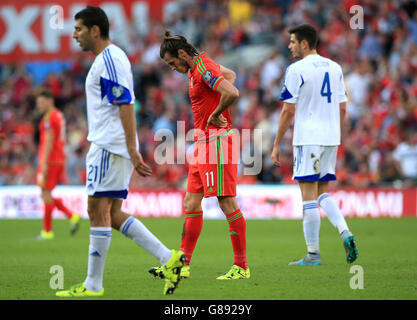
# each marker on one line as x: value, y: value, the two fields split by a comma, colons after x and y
x: 47, y: 217
x: 60, y: 205
x: 190, y: 233
x: 237, y: 228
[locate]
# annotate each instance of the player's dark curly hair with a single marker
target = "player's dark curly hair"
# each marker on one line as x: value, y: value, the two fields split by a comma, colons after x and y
x: 95, y: 16
x: 44, y: 92
x: 305, y: 32
x: 172, y: 44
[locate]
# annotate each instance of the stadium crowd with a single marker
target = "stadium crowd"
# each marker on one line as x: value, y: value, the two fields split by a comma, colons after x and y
x: 379, y: 140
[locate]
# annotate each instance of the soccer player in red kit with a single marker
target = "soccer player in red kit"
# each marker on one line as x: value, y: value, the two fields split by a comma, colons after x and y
x: 51, y: 162
x: 213, y: 170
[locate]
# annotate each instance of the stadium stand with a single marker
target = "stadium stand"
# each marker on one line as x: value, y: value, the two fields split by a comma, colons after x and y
x: 379, y: 62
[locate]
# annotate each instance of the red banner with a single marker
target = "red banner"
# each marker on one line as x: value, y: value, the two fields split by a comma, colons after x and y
x: 256, y: 202
x: 25, y: 202
x: 154, y: 204
x: 36, y: 30
x: 376, y: 202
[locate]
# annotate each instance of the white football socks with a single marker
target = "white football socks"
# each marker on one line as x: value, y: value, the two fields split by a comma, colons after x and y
x: 137, y: 231
x: 311, y: 226
x: 100, y: 238
x: 332, y: 211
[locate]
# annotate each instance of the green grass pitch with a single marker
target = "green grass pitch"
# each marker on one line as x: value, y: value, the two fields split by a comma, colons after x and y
x: 387, y: 254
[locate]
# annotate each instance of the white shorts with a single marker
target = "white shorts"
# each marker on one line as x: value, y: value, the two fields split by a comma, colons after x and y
x: 108, y: 174
x: 314, y: 163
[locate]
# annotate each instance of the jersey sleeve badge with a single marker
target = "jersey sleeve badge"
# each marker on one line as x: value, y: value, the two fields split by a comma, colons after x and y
x: 207, y: 76
x: 117, y: 91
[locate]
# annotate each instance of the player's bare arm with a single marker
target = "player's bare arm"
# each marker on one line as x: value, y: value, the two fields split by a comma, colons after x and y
x: 229, y: 94
x: 342, y: 115
x: 285, y: 119
x: 228, y: 74
x: 127, y: 115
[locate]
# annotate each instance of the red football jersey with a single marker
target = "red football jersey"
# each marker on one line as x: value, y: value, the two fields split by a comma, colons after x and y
x: 54, y: 122
x: 205, y: 76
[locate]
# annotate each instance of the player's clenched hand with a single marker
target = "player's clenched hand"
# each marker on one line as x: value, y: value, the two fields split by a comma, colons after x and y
x: 140, y: 166
x: 217, y: 121
x: 275, y: 156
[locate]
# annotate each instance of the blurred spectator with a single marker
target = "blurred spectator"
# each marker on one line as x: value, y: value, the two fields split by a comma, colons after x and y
x: 271, y: 71
x: 371, y: 46
x: 388, y: 172
x: 406, y: 157
x: 357, y: 86
x: 2, y: 134
x: 240, y: 11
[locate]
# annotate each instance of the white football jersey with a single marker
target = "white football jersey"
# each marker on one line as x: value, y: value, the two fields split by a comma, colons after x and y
x: 315, y: 85
x: 109, y: 84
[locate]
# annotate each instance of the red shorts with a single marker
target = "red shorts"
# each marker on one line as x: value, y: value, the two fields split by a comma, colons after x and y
x: 213, y: 169
x: 54, y: 175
